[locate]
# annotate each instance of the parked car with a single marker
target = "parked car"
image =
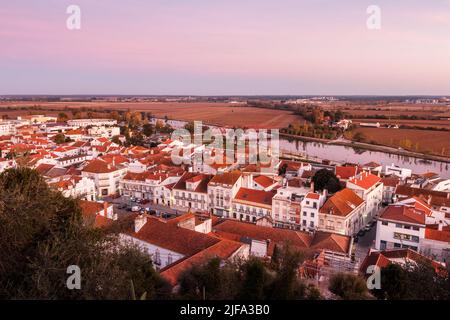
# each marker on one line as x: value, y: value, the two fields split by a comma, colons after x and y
x: 361, y: 233
x: 135, y: 208
x: 355, y: 239
x: 144, y: 201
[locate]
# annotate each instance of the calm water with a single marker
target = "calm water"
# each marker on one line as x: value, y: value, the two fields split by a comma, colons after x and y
x: 353, y: 155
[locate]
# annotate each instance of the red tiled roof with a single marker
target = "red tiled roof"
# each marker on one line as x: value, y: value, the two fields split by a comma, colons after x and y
x: 390, y: 181
x: 254, y: 196
x: 171, y: 237
x: 99, y: 166
x: 346, y: 172
x: 313, y: 195
x: 342, y: 203
x: 242, y: 229
x: 365, y: 180
x: 264, y: 181
x: 435, y: 198
x: 223, y: 249
x: 202, y: 186
x: 403, y: 213
x: 331, y: 242
x: 437, y: 235
x: 228, y: 178
x: 383, y: 258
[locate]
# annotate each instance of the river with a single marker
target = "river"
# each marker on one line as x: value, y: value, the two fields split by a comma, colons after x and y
x: 343, y: 154
x: 361, y: 156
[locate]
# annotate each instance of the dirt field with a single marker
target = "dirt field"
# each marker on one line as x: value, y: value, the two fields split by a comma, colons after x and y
x: 419, y: 123
x: 212, y: 113
x: 426, y: 141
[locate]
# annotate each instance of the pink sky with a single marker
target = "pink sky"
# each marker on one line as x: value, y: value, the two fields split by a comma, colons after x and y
x: 225, y: 47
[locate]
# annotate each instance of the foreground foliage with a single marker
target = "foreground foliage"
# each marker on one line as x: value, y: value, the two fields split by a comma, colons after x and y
x: 42, y: 233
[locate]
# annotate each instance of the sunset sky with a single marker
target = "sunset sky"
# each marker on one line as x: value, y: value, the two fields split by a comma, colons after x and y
x: 212, y: 47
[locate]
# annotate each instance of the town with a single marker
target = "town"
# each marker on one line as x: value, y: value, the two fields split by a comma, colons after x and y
x: 349, y: 215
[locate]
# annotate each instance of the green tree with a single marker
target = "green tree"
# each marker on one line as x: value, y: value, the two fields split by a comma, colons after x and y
x: 148, y: 129
x: 59, y: 138
x: 43, y: 233
x: 348, y: 286
x: 62, y: 117
x: 326, y: 179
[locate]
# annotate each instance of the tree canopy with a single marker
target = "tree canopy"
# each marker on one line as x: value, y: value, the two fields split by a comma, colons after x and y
x: 42, y: 233
x: 326, y: 179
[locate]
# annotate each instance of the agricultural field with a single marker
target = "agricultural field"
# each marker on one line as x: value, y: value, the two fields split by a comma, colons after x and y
x: 440, y: 124
x: 221, y: 114
x: 212, y: 113
x: 424, y: 141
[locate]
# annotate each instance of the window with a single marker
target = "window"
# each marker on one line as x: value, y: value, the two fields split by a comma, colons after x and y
x: 311, y: 224
x: 304, y: 213
x: 312, y: 214
x: 315, y: 205
x: 397, y: 245
x: 384, y: 223
x: 383, y: 245
x: 304, y: 223
x: 415, y: 228
x: 398, y: 225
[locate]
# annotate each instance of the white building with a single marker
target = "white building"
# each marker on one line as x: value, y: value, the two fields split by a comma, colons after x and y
x: 103, y: 131
x: 368, y: 187
x: 402, y: 173
x: 250, y: 205
x: 221, y: 190
x: 83, y: 123
x: 400, y: 226
x: 310, y: 207
x: 106, y: 176
x: 190, y: 193
x: 342, y: 213
x: 76, y: 187
x: 7, y: 128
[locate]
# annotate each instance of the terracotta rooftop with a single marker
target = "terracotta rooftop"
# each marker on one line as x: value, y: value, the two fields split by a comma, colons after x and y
x: 346, y: 172
x: 437, y: 235
x: 365, y: 180
x: 264, y: 181
x: 99, y: 166
x: 227, y: 178
x: 383, y: 258
x: 342, y: 203
x: 174, y: 238
x: 403, y: 213
x: 188, y: 176
x: 251, y: 196
x: 223, y: 249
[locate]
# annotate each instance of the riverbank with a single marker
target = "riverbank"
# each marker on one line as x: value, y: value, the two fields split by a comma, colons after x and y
x: 371, y: 147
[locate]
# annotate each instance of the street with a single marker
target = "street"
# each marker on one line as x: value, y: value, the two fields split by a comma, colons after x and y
x: 160, y: 209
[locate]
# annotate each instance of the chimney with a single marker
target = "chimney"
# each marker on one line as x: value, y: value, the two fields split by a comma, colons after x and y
x: 105, y: 209
x: 440, y: 225
x: 139, y: 222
